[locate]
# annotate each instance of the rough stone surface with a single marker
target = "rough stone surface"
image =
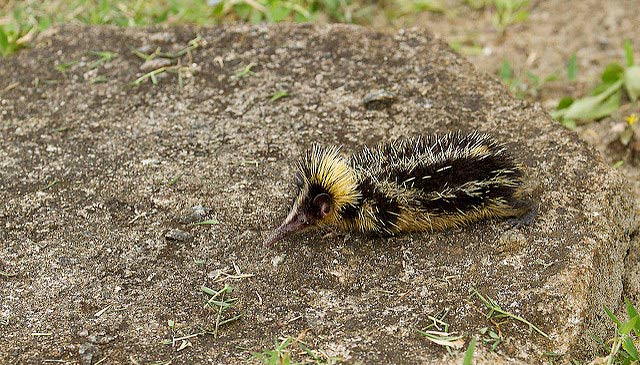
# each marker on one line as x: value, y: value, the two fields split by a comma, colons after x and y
x: 178, y: 235
x: 88, y: 166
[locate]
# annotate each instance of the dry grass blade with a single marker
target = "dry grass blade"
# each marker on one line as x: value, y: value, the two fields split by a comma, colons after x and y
x: 443, y: 338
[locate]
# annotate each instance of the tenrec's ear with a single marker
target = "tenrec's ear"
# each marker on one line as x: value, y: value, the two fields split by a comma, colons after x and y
x: 323, y: 203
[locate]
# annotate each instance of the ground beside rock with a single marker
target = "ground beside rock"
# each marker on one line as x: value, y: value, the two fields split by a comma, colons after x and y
x: 102, y: 180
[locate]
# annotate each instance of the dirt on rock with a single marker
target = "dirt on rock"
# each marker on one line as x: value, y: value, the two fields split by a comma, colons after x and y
x: 102, y: 180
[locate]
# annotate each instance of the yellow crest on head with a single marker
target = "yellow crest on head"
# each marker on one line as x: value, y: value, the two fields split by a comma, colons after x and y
x: 324, y: 167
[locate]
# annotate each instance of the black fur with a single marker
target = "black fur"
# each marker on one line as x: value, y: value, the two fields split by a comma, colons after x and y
x: 438, y: 174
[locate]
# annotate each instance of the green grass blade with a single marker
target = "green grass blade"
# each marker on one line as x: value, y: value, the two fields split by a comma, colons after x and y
x: 630, y: 348
x: 631, y: 310
x: 632, y: 82
x: 595, y: 107
x: 612, y: 316
x: 572, y: 68
x: 628, y: 52
x: 4, y: 43
x: 279, y: 95
x: 232, y: 319
x: 208, y: 291
x: 506, y: 71
x: 468, y: 355
x: 628, y: 326
x: 207, y: 222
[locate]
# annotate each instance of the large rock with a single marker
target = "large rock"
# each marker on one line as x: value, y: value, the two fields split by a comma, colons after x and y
x: 96, y: 172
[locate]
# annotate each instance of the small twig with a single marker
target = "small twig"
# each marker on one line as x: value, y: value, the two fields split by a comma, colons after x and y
x: 176, y: 339
x: 7, y: 274
x: 143, y: 214
x: 223, y: 275
x: 101, y: 311
x: 220, y: 309
x: 404, y: 295
x: 294, y: 319
x: 9, y: 87
x: 437, y: 321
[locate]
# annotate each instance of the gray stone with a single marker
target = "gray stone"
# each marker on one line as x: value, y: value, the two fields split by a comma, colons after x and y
x: 178, y: 235
x: 89, y: 353
x: 356, y: 297
x: 379, y: 99
x: 196, y: 213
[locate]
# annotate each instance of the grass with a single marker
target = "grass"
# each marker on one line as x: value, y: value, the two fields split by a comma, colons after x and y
x: 527, y: 86
x: 228, y: 273
x: 496, y: 311
x: 280, y: 354
x: 278, y: 95
x: 491, y: 338
x: 102, y: 57
x: 245, y: 71
x: 438, y: 332
x: 572, y: 68
x: 184, y: 341
x: 619, y: 86
x: 21, y: 21
x: 290, y: 351
x: 617, y: 83
x: 446, y: 339
x: 174, y: 180
x: 99, y: 59
x: 219, y: 302
x: 468, y: 355
x: 509, y: 12
x: 64, y: 66
x: 175, y: 58
x: 622, y: 348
